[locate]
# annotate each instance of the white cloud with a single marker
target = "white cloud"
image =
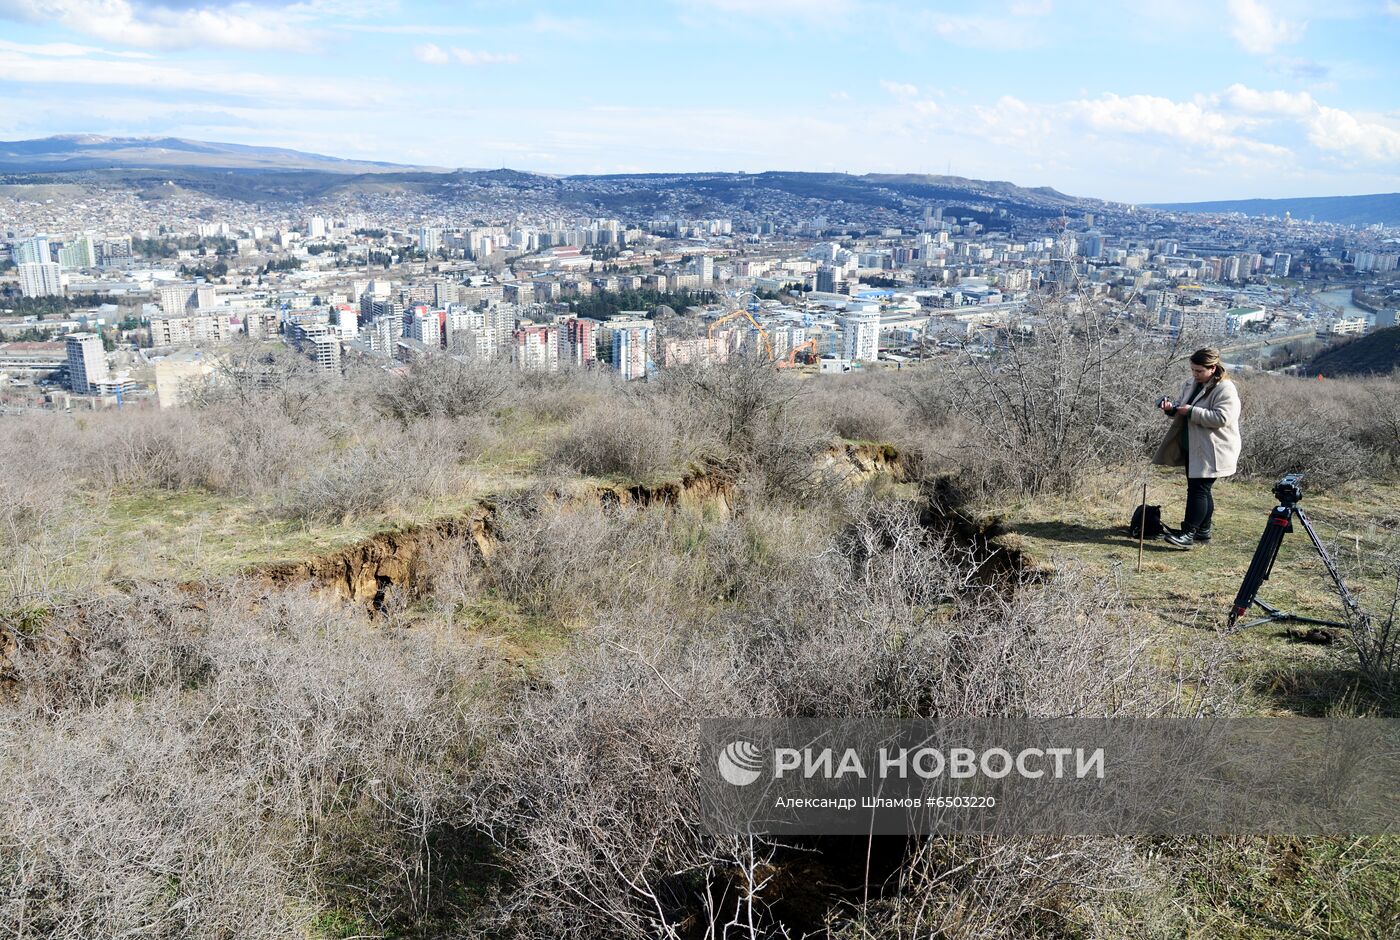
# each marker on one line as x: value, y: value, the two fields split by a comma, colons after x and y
x: 205, y: 80
x: 1335, y: 130
x: 900, y: 89
x: 1249, y: 101
x: 1148, y: 114
x: 436, y: 55
x: 773, y: 8
x: 68, y: 50
x: 1260, y: 28
x: 996, y: 33
x: 160, y: 27
x: 431, y: 54
x: 1393, y: 7
x: 408, y: 29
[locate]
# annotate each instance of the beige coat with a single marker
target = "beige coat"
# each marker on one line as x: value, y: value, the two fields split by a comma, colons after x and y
x: 1213, y: 435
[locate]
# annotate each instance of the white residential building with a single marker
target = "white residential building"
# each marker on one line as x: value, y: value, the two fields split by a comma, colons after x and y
x: 87, y: 363
x: 861, y: 336
x: 40, y: 279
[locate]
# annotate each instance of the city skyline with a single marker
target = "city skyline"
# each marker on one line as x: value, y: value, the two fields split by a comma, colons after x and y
x: 1180, y: 102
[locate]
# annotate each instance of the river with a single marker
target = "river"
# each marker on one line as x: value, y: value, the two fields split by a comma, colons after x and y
x: 1341, y: 298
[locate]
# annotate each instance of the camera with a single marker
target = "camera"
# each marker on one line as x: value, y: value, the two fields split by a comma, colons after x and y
x: 1289, y: 489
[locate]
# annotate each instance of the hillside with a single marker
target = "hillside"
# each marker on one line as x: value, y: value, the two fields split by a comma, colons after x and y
x: 270, y: 174
x: 1345, y: 210
x: 480, y: 700
x: 71, y: 152
x: 1378, y: 352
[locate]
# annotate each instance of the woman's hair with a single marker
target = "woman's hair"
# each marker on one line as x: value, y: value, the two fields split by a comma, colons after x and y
x: 1210, y: 358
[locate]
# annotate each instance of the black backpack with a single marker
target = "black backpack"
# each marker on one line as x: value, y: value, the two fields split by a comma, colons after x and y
x: 1153, y: 518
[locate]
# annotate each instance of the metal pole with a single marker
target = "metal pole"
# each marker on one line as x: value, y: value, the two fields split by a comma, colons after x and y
x: 1142, y: 525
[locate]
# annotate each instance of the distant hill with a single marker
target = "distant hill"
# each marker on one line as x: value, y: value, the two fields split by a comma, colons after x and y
x: 71, y: 152
x: 1345, y: 210
x: 157, y: 168
x: 1378, y: 352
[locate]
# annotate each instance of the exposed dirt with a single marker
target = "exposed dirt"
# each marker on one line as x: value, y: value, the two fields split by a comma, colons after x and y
x: 365, y: 571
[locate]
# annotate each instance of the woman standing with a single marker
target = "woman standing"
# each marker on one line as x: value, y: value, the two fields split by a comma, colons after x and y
x: 1204, y: 437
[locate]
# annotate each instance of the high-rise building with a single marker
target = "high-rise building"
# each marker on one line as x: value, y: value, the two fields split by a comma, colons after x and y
x: 112, y: 251
x: 426, y: 327
x: 176, y: 298
x: 261, y: 323
x: 324, y: 351
x: 827, y: 279
x: 40, y: 279
x: 536, y: 348
x: 861, y: 336
x: 316, y: 227
x: 444, y: 293
x: 578, y: 341
x: 188, y: 329
x: 1283, y: 263
x: 347, y: 322
x: 32, y: 251
x: 430, y: 239
x: 87, y: 363
x: 77, y: 253
x: 631, y: 351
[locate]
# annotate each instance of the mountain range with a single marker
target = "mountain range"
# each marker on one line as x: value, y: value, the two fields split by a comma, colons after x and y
x: 70, y: 152
x: 1344, y: 210
x: 270, y: 174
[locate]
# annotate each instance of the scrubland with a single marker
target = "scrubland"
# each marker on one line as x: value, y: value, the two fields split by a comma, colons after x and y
x: 508, y: 746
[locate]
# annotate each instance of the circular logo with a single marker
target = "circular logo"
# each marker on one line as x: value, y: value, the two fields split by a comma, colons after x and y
x: 741, y: 763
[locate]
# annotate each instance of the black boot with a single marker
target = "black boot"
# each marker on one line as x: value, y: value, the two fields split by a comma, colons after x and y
x: 1183, y: 539
x: 1203, y: 535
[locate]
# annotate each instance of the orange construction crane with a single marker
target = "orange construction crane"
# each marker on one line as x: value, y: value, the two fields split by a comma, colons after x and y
x: 790, y: 360
x: 743, y: 312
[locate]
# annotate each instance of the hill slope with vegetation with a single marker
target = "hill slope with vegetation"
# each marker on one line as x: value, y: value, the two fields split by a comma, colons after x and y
x: 493, y: 731
x: 1374, y: 353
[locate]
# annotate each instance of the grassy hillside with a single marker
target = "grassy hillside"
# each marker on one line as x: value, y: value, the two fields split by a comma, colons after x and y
x: 246, y: 626
x: 1377, y: 352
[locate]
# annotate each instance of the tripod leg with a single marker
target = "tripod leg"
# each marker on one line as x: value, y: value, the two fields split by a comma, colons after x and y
x: 1262, y: 563
x: 1353, y: 608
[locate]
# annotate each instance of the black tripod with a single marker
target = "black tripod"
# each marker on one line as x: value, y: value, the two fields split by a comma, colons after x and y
x: 1280, y: 523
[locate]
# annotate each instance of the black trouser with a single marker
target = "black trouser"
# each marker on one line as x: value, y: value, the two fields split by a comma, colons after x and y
x: 1200, y: 505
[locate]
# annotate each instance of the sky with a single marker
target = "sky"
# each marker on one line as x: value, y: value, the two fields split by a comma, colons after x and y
x: 1148, y: 101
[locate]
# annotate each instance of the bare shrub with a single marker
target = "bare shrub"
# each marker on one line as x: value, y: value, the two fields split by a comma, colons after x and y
x: 1291, y: 425
x: 859, y: 408
x: 1375, y: 419
x: 563, y: 395
x: 1376, y: 636
x: 443, y: 387
x: 366, y: 479
x: 44, y: 521
x: 248, y: 764
x: 624, y: 439
x: 163, y: 451
x: 751, y: 421
x: 251, y: 375
x: 1073, y: 397
x: 883, y: 619
x: 979, y: 889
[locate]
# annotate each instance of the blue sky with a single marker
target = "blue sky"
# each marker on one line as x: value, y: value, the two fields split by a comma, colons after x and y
x: 1153, y: 100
